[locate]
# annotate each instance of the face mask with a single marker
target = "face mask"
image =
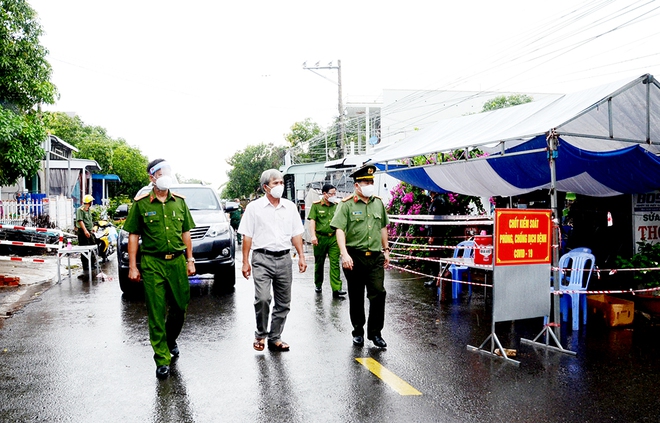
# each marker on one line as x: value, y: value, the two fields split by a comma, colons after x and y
x: 164, y: 182
x: 368, y: 190
x: 333, y: 199
x: 277, y: 191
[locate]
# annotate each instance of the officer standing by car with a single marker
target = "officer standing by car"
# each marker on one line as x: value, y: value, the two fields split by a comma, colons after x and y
x: 163, y: 221
x: 84, y: 225
x: 362, y: 238
x: 324, y: 240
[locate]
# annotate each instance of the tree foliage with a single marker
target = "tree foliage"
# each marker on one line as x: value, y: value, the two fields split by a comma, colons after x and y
x: 24, y: 71
x: 21, y: 137
x: 503, y: 101
x: 24, y: 84
x: 112, y: 155
x: 305, y: 138
x: 247, y: 166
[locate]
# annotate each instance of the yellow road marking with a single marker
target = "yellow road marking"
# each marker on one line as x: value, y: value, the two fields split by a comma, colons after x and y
x: 398, y: 384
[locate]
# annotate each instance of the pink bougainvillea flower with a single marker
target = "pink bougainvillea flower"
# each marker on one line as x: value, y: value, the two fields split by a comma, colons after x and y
x: 408, y: 198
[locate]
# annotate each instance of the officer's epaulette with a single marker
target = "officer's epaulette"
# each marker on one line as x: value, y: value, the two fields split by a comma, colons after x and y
x: 317, y: 202
x: 176, y: 194
x: 345, y: 199
x: 140, y: 197
x: 375, y: 196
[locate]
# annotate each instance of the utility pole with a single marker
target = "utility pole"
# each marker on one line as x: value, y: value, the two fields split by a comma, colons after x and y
x: 340, y: 104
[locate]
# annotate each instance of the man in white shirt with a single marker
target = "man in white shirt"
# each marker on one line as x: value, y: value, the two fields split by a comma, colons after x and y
x: 270, y: 225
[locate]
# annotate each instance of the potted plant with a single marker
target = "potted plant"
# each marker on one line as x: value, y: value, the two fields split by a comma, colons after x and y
x: 647, y: 257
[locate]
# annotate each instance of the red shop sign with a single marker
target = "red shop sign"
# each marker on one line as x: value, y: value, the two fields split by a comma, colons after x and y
x: 522, y: 236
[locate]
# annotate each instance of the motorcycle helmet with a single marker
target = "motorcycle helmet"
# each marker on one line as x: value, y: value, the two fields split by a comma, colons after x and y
x: 88, y: 199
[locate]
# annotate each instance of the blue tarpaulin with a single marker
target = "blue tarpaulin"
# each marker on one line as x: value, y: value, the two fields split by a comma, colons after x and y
x: 609, y: 140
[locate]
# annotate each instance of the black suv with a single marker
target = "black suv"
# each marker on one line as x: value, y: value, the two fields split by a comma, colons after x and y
x: 213, y: 239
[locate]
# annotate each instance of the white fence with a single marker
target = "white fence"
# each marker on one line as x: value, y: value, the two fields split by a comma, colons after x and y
x: 55, y: 211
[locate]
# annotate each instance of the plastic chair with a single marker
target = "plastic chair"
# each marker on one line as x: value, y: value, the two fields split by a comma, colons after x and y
x: 464, y: 249
x: 573, y: 266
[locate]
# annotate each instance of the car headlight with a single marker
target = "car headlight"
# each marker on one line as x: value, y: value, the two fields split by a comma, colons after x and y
x: 217, y: 229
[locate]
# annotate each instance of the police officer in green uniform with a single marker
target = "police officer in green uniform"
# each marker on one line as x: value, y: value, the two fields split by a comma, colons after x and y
x: 361, y: 223
x: 324, y: 240
x: 85, y: 236
x: 163, y: 221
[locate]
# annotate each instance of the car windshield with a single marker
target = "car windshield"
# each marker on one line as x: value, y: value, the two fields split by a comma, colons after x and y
x: 197, y: 198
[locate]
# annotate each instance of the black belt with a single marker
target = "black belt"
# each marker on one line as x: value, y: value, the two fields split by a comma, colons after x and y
x: 165, y: 256
x: 272, y: 253
x: 326, y: 233
x: 355, y: 251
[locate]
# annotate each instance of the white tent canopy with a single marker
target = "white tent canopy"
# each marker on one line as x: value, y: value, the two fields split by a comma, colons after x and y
x: 609, y: 137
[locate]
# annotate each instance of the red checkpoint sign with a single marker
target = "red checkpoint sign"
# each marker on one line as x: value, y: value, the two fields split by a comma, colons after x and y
x: 522, y: 236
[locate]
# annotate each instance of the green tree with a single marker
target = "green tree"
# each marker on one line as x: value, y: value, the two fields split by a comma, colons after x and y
x: 503, y: 101
x: 93, y: 142
x: 131, y: 166
x: 304, y: 139
x: 24, y: 71
x: 20, y: 145
x: 247, y: 166
x: 24, y: 84
x: 72, y: 129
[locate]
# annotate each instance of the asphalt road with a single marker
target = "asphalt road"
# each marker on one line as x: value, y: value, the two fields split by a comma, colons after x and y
x: 80, y: 353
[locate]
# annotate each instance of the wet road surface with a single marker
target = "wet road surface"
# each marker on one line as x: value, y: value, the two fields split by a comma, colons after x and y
x: 82, y: 354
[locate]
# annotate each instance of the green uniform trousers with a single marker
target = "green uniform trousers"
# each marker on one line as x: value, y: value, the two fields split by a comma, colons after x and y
x: 368, y: 272
x: 327, y: 246
x: 165, y: 284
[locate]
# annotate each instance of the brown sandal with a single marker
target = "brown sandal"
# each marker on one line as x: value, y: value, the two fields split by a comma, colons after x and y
x: 278, y: 346
x: 259, y: 344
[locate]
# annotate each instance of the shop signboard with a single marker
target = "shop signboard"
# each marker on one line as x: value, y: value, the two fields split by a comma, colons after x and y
x: 522, y: 236
x: 646, y: 217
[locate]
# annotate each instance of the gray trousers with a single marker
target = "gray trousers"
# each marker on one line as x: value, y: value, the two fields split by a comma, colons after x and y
x: 275, y: 272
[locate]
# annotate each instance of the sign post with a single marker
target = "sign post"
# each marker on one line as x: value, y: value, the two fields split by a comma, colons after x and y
x: 521, y: 270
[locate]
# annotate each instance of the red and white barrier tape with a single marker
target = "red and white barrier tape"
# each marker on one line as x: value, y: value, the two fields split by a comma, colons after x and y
x: 25, y: 259
x: 403, y: 269
x: 30, y: 244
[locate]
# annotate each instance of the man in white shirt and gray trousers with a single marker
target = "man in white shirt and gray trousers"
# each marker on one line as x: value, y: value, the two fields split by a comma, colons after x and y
x: 270, y: 225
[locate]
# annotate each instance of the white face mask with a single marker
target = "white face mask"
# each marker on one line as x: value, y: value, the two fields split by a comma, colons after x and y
x: 333, y: 199
x: 368, y: 190
x: 277, y: 191
x: 164, y: 182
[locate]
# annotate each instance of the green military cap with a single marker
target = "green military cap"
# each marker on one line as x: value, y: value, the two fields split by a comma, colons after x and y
x: 365, y: 172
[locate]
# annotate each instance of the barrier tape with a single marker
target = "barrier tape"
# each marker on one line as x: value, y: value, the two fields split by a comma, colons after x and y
x: 25, y: 259
x: 45, y: 231
x: 488, y: 267
x: 30, y: 244
x: 29, y: 229
x: 438, y: 278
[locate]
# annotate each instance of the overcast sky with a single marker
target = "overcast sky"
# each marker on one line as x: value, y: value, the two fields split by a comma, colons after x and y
x: 195, y: 81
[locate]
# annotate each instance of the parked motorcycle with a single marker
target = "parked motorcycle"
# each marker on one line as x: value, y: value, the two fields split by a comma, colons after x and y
x: 106, y: 238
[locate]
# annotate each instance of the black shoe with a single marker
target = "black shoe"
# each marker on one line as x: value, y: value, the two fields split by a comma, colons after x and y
x: 430, y: 283
x: 378, y: 341
x: 175, y: 351
x: 358, y: 340
x: 338, y: 294
x: 318, y: 289
x: 162, y: 372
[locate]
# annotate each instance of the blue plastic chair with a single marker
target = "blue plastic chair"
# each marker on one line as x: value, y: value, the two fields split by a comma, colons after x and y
x: 573, y: 266
x: 464, y: 249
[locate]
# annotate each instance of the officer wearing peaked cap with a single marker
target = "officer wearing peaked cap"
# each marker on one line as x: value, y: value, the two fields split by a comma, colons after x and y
x: 361, y: 229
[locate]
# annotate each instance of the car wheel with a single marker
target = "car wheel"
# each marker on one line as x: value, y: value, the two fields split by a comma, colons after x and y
x: 225, y: 277
x: 129, y: 288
